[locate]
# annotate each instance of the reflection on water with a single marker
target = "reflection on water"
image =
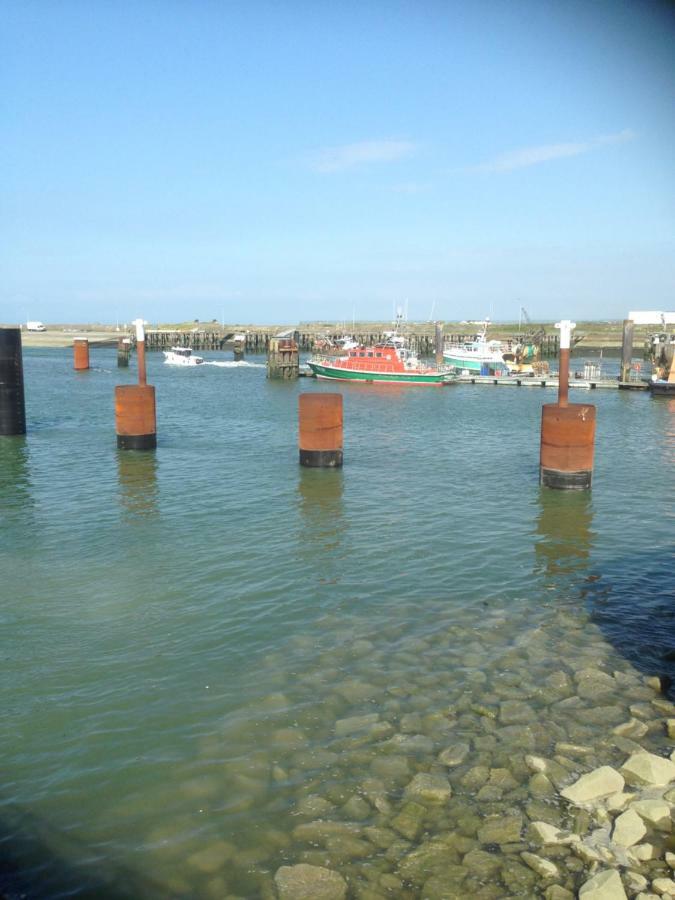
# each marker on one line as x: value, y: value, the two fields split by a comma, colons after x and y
x: 633, y: 603
x: 139, y: 493
x: 321, y: 506
x: 670, y: 433
x: 564, y: 527
x: 15, y: 485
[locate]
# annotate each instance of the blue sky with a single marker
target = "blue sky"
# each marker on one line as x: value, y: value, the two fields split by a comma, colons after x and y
x: 289, y: 161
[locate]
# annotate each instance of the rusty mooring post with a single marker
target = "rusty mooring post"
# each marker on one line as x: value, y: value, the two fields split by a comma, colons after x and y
x: 135, y: 417
x: 567, y: 431
x: 12, y: 402
x: 320, y: 419
x: 80, y: 354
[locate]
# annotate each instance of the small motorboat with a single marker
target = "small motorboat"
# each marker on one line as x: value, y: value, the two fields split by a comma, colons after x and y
x: 182, y: 356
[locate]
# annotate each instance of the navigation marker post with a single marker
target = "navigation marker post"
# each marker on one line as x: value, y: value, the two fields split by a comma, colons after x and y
x: 567, y: 430
x: 135, y: 417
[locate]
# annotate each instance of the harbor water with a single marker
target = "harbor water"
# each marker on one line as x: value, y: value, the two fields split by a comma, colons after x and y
x: 216, y: 663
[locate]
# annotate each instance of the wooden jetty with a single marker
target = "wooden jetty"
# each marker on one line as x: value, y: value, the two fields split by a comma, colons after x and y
x: 421, y: 339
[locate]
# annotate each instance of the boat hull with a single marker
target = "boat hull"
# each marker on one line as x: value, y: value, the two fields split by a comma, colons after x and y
x: 662, y: 388
x: 474, y: 365
x: 321, y: 370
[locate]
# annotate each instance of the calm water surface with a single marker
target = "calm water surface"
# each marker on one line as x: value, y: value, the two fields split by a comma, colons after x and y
x: 181, y: 630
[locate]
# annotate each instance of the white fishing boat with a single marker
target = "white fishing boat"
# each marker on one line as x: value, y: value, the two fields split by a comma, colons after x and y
x: 478, y: 355
x: 182, y: 356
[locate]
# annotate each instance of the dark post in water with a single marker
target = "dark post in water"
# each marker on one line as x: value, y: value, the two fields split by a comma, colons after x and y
x: 567, y: 431
x: 438, y: 343
x: 12, y: 402
x: 80, y: 354
x: 626, y: 349
x: 239, y: 347
x: 123, y: 351
x: 135, y: 416
x: 320, y: 419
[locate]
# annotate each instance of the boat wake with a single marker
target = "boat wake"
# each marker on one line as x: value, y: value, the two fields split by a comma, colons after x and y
x: 232, y: 364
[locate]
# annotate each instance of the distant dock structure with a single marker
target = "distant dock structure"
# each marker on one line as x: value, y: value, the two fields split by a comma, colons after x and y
x: 423, y: 340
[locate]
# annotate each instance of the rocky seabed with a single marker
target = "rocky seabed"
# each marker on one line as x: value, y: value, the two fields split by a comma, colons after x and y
x: 452, y: 765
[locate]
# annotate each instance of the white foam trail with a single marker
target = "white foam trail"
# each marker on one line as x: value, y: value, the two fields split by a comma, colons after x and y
x: 230, y: 364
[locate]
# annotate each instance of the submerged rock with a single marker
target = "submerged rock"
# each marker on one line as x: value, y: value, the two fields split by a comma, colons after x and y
x: 430, y: 788
x: 593, y: 786
x: 427, y: 859
x: 355, y: 723
x: 454, y: 755
x: 213, y: 857
x: 501, y: 830
x: 410, y: 820
x: 515, y: 712
x: 603, y: 886
x: 664, y: 886
x: 543, y: 867
x: 633, y: 728
x: 303, y: 882
x: 628, y: 829
x: 656, y: 812
x: 649, y: 769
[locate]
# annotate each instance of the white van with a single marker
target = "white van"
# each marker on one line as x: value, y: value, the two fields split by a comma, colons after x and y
x: 35, y: 326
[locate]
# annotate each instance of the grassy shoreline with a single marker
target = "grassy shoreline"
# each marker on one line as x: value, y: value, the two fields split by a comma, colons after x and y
x: 596, y: 335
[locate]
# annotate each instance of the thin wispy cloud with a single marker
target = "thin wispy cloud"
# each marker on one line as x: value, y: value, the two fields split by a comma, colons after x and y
x: 533, y: 156
x: 409, y: 187
x: 350, y: 156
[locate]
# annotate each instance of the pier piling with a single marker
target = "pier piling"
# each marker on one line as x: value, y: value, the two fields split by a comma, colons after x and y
x: 626, y: 349
x: 283, y: 359
x: 123, y: 352
x: 12, y: 402
x: 320, y: 438
x: 438, y: 343
x: 567, y: 431
x: 239, y: 347
x: 80, y: 354
x: 135, y: 416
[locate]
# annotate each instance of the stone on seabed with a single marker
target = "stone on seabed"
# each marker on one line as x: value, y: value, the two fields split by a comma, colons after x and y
x: 432, y: 788
x: 603, y: 886
x: 556, y: 892
x: 303, y: 882
x: 656, y: 812
x: 454, y: 755
x: 628, y: 829
x: 543, y: 867
x: 647, y: 768
x: 596, y: 784
x: 664, y: 886
x: 501, y: 830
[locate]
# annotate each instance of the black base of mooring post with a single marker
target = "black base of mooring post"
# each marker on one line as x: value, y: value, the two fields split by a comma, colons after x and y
x: 136, y: 441
x: 12, y: 403
x: 321, y: 459
x: 565, y: 481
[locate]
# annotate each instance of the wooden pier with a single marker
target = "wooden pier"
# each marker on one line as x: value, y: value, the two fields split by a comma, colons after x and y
x: 421, y: 339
